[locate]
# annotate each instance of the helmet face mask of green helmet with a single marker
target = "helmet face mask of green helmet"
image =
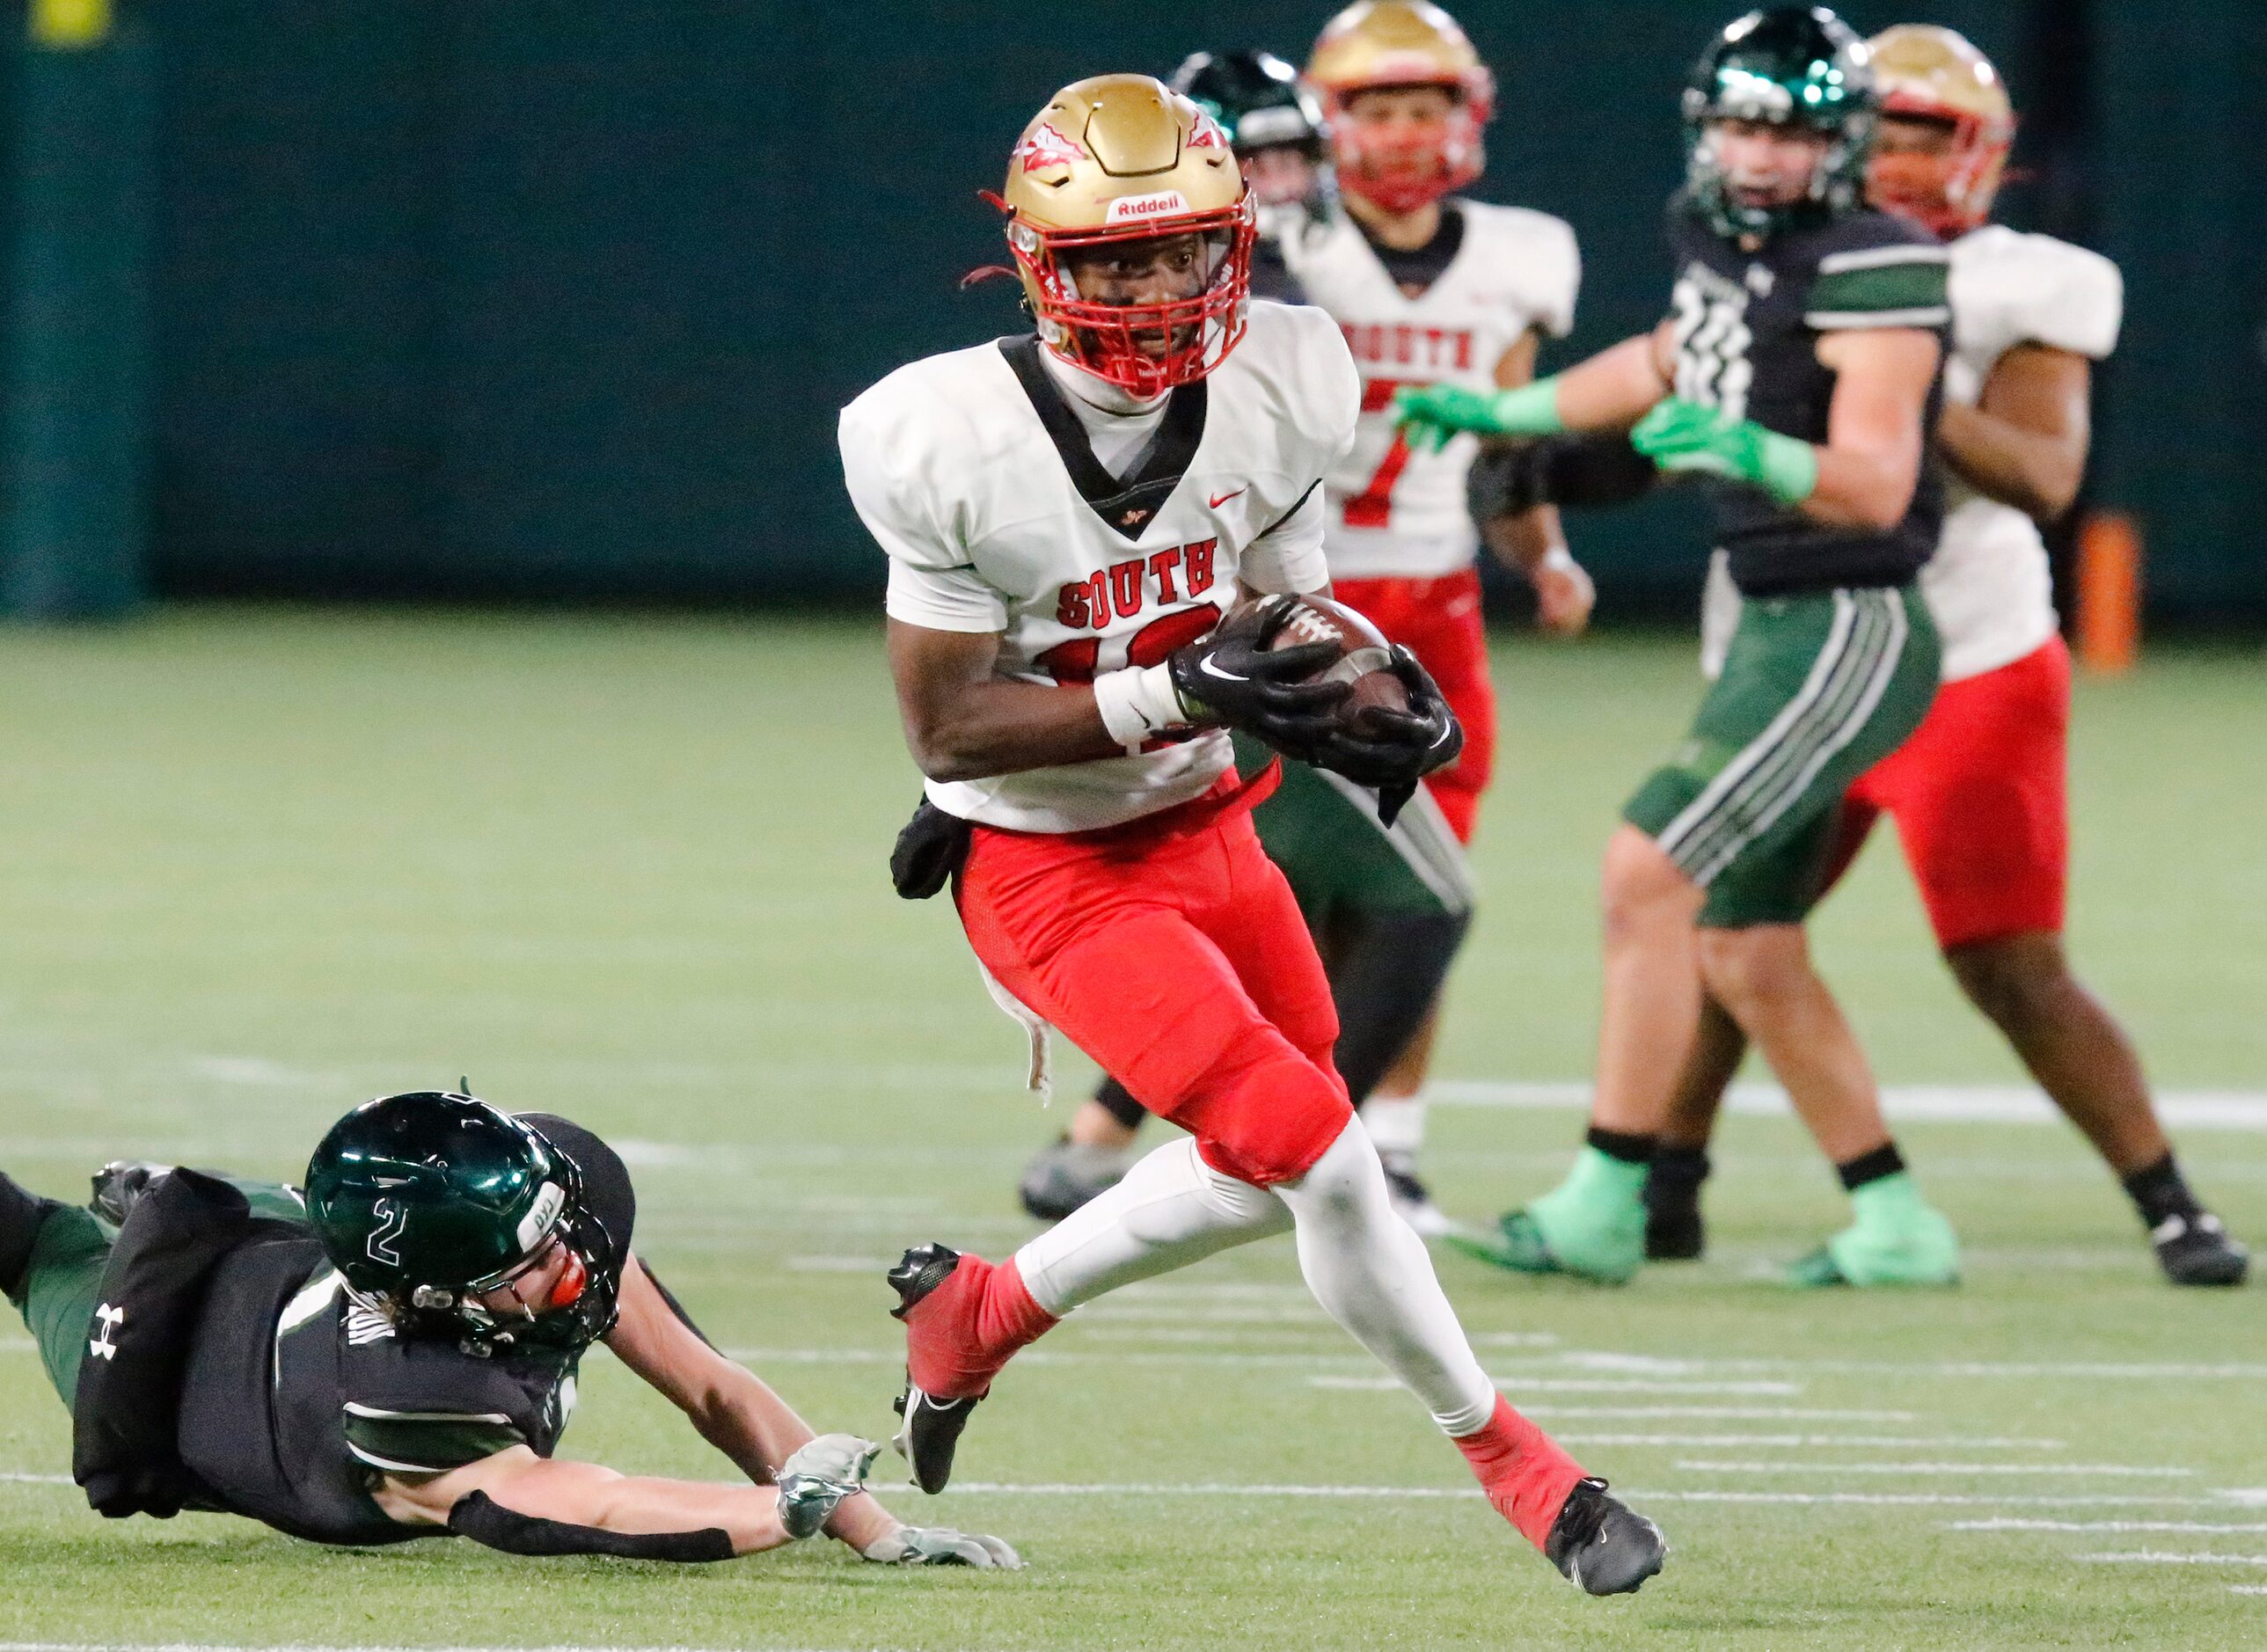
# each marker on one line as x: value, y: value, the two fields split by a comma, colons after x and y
x: 430, y: 1201
x: 1260, y: 104
x: 1799, y: 67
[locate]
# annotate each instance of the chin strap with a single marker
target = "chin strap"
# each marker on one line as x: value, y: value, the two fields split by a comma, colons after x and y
x: 489, y: 1523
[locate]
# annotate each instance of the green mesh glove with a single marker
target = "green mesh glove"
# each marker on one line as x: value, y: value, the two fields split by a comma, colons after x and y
x: 1430, y: 415
x: 1682, y: 436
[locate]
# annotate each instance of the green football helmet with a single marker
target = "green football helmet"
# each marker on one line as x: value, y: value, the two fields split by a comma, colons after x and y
x: 1259, y: 102
x: 1790, y: 65
x: 427, y: 1199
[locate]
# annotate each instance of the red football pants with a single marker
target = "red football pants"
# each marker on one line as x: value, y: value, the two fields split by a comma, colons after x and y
x: 1171, y: 952
x: 1440, y: 621
x: 1979, y: 796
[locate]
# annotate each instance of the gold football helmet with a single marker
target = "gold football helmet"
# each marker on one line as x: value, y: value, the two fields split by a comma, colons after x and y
x: 1380, y: 43
x: 1933, y: 74
x: 1120, y: 159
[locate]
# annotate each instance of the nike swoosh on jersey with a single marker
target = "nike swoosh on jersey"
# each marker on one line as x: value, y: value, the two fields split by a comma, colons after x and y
x: 1224, y: 498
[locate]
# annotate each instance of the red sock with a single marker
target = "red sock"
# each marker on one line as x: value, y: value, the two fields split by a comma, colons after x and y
x: 957, y: 1340
x: 1522, y: 1469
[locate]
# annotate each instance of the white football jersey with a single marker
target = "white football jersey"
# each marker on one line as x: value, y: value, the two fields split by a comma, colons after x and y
x: 1395, y: 512
x: 1988, y: 587
x: 983, y: 489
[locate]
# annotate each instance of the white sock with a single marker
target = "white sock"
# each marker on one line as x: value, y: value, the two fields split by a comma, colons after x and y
x: 1396, y: 1123
x: 1171, y: 1209
x: 1372, y: 1275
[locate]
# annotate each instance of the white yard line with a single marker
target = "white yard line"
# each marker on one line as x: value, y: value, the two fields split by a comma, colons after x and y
x: 2106, y: 1370
x: 38, y: 1480
x: 2161, y: 1557
x: 1946, y: 1104
x: 1574, y: 1385
x: 2124, y: 1470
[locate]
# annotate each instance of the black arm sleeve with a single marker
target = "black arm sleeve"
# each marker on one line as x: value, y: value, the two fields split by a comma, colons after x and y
x: 489, y: 1523
x: 1582, y: 471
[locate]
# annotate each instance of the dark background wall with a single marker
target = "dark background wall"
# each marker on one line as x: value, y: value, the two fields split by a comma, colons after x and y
x: 560, y: 298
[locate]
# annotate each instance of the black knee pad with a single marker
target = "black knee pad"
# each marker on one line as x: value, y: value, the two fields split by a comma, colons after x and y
x: 22, y: 1216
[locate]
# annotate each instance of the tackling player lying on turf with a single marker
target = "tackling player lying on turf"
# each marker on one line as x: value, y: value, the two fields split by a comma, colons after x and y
x: 1799, y: 373
x: 1066, y: 516
x: 1428, y: 286
x: 391, y: 1354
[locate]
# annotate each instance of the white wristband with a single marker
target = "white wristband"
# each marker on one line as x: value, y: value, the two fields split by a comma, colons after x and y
x: 1138, y: 704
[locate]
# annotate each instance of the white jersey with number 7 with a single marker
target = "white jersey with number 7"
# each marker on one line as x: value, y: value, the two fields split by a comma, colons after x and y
x: 1395, y: 512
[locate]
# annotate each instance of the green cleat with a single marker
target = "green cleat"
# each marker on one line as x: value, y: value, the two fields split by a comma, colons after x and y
x: 1899, y: 1239
x: 1591, y: 1225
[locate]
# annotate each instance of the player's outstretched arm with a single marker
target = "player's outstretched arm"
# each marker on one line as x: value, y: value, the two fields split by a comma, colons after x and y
x: 2025, y: 442
x: 1608, y: 391
x: 585, y: 1499
x: 731, y: 1407
x: 1861, y: 476
x: 737, y: 1412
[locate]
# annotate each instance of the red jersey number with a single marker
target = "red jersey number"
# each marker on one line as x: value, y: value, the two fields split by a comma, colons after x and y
x: 1373, y: 506
x: 1080, y: 659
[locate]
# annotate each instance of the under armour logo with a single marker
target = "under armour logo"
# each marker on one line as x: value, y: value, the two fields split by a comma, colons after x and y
x: 101, y: 1346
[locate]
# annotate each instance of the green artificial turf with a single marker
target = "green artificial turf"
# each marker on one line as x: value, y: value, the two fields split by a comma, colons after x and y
x: 257, y: 865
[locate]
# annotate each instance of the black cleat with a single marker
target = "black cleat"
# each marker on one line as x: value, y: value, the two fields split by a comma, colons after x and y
x: 2197, y: 1251
x: 1602, y: 1544
x: 918, y: 1272
x: 118, y: 1187
x: 931, y: 1430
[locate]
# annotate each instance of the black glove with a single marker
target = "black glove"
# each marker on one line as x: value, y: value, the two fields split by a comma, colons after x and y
x: 1229, y: 676
x: 928, y: 851
x: 1391, y: 750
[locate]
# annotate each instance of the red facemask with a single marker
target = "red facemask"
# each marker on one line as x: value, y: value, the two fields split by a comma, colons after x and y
x: 1404, y: 170
x: 1950, y: 194
x: 1108, y: 340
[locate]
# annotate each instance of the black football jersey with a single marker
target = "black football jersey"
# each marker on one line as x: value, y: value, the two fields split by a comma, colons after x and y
x: 296, y: 1398
x: 1747, y: 327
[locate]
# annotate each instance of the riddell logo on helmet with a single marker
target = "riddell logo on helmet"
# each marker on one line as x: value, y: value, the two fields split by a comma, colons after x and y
x: 1134, y: 209
x: 1045, y: 147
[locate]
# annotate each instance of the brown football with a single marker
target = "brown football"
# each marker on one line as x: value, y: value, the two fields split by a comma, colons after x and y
x: 1364, y: 655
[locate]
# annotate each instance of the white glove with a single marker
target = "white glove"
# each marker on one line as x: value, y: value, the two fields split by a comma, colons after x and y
x: 941, y: 1546
x: 819, y: 1476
